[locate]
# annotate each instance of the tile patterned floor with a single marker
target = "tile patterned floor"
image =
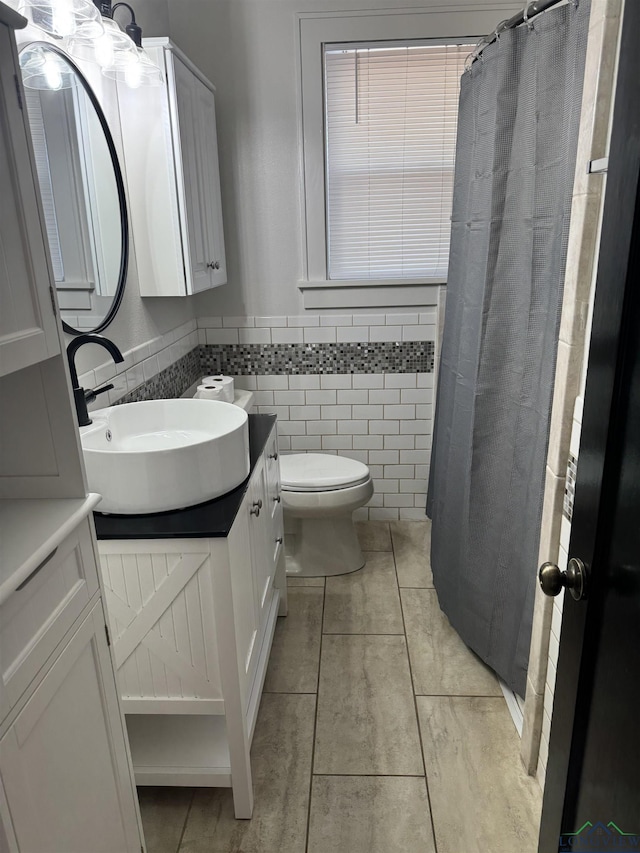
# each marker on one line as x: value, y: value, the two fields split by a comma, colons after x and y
x: 368, y: 687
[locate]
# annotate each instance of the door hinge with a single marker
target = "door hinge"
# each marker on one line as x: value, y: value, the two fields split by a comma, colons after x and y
x: 53, y: 300
x: 106, y: 631
x: 18, y: 90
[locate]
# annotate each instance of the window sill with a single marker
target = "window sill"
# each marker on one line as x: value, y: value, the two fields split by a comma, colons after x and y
x: 322, y: 284
x: 379, y: 293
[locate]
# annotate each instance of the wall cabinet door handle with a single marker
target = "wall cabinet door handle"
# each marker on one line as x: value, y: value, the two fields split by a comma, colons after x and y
x: 273, y: 456
x: 279, y: 540
x: 278, y: 499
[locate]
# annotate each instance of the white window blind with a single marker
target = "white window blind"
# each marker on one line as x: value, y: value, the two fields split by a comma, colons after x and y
x: 390, y: 121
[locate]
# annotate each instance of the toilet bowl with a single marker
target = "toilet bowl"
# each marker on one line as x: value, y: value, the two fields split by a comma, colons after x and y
x: 320, y: 491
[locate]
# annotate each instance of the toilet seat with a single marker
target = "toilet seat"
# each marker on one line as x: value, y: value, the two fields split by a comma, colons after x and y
x: 320, y: 472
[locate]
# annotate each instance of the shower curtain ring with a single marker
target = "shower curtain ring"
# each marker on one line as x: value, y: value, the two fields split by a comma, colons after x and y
x: 500, y: 29
x: 480, y: 46
x: 525, y: 13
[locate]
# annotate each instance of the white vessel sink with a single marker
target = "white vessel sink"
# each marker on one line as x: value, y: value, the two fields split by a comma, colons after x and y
x: 165, y: 454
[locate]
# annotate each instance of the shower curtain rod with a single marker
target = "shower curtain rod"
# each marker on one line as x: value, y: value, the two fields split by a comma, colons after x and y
x: 530, y: 11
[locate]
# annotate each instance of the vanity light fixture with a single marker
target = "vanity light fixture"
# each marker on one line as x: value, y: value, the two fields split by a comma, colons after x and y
x: 44, y: 69
x: 63, y: 18
x: 133, y: 69
x: 119, y: 54
x: 104, y: 49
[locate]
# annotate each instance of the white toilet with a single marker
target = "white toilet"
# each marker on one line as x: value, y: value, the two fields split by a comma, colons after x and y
x: 319, y: 494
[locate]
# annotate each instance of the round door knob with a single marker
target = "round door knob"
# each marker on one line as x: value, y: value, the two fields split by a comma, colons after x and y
x: 255, y: 510
x: 278, y: 499
x: 279, y: 540
x: 273, y: 456
x: 216, y: 265
x: 553, y: 580
x: 211, y: 265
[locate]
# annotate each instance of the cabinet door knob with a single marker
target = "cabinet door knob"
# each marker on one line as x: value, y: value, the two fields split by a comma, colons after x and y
x: 213, y: 265
x: 278, y: 499
x: 216, y: 265
x: 279, y: 540
x: 255, y: 510
x: 273, y: 455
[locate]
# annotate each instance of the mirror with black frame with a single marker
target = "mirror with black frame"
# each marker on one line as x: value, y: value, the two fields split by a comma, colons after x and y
x: 81, y: 186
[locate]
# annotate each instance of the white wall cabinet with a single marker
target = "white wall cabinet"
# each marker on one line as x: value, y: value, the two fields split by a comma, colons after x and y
x: 193, y: 621
x: 28, y: 328
x: 171, y: 160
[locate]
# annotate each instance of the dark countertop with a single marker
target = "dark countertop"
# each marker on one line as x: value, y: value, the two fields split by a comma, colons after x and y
x: 210, y: 519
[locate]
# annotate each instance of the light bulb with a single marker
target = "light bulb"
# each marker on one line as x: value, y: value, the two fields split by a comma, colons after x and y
x: 62, y: 18
x: 104, y: 50
x: 52, y: 73
x: 133, y: 72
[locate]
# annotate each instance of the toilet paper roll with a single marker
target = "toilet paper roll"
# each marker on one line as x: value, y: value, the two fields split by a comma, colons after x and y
x: 226, y: 382
x: 209, y: 391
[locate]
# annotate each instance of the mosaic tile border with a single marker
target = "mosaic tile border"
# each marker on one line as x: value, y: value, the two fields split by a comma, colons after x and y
x: 284, y: 359
x: 570, y: 487
x: 171, y: 382
x: 313, y: 358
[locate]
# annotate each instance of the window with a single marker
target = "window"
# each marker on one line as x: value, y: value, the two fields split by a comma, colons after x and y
x: 390, y: 132
x: 449, y: 30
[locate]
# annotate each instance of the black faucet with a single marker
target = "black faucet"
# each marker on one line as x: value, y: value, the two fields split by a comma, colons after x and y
x: 81, y: 396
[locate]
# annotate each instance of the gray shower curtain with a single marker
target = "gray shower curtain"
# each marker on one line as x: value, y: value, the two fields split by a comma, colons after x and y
x: 515, y: 161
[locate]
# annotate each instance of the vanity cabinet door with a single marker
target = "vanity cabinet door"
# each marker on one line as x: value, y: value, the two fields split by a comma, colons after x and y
x: 261, y: 550
x: 28, y: 328
x: 272, y: 465
x: 245, y: 609
x: 64, y: 760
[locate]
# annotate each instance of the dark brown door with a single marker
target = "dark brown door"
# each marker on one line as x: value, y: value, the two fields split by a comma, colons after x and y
x: 592, y: 795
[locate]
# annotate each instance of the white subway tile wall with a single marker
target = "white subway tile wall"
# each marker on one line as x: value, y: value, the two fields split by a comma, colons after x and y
x: 326, y: 328
x: 384, y: 420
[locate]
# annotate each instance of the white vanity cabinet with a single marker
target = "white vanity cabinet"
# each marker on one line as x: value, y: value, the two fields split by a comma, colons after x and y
x: 28, y: 329
x: 171, y: 160
x: 193, y: 621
